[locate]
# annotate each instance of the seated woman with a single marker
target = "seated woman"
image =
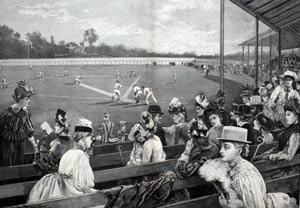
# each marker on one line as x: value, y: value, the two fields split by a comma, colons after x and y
x: 137, y: 134
x: 246, y: 185
x: 47, y: 161
x: 197, y: 150
x: 264, y: 125
x: 289, y: 138
x: 178, y: 132
x: 152, y: 148
x: 213, y: 114
x: 147, y: 147
x: 75, y: 175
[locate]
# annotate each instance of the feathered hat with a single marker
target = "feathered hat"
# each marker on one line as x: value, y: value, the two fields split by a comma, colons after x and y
x: 135, y: 130
x: 175, y: 106
x: 23, y: 89
x: 201, y: 100
x: 146, y: 120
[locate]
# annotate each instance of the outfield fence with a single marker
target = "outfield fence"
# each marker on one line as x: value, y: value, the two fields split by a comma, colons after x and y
x: 97, y: 61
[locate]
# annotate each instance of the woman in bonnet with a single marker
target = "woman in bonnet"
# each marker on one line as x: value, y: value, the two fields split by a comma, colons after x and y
x: 75, y: 175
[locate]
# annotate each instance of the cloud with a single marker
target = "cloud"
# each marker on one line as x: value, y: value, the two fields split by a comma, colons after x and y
x: 86, y: 11
x: 45, y: 10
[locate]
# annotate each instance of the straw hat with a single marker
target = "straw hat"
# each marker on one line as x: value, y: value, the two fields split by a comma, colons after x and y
x: 234, y: 134
x: 255, y: 100
x: 84, y: 125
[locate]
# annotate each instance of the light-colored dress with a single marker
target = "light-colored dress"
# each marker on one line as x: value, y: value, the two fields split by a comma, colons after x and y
x: 153, y: 150
x: 136, y: 154
x: 75, y: 177
x: 278, y: 99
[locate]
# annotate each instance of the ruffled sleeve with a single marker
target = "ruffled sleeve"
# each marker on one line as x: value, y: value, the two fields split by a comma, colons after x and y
x: 83, y: 177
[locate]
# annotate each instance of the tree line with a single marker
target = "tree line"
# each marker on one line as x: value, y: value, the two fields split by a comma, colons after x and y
x: 37, y: 46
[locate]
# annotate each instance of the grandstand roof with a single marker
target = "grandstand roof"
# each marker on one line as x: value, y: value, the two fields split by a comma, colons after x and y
x: 277, y: 14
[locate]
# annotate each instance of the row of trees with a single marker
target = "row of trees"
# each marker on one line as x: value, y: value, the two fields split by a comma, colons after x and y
x: 36, y: 46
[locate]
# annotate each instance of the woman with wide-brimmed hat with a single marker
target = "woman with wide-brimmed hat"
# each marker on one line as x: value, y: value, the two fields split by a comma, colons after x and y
x: 243, y: 185
x: 16, y: 127
x: 75, y: 175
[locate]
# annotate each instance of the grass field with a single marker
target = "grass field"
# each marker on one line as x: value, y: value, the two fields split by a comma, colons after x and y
x: 60, y: 92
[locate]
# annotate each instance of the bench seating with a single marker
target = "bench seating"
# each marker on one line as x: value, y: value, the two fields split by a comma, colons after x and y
x: 98, y: 149
x: 284, y: 184
x: 102, y: 176
x: 98, y: 162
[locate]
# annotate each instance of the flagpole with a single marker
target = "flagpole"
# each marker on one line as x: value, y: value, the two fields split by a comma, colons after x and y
x: 222, y: 45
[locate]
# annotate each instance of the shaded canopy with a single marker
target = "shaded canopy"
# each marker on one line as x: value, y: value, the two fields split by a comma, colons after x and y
x: 281, y: 15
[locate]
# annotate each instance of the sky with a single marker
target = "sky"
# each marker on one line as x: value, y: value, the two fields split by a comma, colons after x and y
x: 176, y: 26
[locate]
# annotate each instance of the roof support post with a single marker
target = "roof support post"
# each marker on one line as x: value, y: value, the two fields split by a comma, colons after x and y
x: 256, y: 51
x: 270, y: 58
x: 248, y: 56
x: 279, y: 52
x: 222, y: 45
x: 243, y: 57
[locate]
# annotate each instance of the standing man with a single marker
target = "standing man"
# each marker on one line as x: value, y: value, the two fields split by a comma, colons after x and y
x: 155, y: 111
x: 117, y: 91
x: 148, y: 92
x: 137, y: 93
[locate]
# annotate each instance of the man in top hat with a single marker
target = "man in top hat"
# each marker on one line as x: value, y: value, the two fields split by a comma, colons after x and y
x: 243, y: 115
x: 155, y: 111
x: 282, y: 94
x: 256, y: 105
